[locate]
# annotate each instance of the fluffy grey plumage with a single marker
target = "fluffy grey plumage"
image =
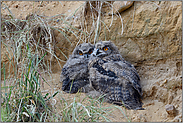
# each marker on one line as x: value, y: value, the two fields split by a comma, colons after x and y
x: 114, y: 77
x: 74, y: 74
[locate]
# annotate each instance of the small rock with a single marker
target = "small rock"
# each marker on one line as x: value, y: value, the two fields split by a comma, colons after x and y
x: 16, y: 6
x: 120, y: 6
x: 163, y: 83
x: 170, y: 109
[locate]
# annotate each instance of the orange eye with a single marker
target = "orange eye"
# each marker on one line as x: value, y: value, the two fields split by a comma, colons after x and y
x: 80, y: 53
x: 105, y: 48
x: 90, y: 52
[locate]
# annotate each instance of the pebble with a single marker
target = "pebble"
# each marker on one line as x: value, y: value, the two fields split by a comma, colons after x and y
x: 120, y: 6
x: 16, y: 6
x: 170, y: 109
x: 163, y: 83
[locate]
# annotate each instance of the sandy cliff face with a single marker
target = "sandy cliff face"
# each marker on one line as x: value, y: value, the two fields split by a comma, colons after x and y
x: 148, y: 34
x: 153, y: 29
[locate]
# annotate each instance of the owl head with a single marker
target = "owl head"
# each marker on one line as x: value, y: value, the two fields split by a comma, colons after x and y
x: 83, y: 50
x: 104, y: 48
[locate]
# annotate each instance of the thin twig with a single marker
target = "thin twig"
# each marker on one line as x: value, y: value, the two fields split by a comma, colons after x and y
x: 98, y: 22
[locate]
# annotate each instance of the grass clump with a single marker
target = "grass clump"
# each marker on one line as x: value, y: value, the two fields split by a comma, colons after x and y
x: 84, y: 110
x: 27, y: 48
x: 23, y: 101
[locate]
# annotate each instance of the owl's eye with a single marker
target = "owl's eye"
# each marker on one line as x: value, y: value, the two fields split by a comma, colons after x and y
x: 90, y: 51
x: 105, y: 48
x: 80, y: 53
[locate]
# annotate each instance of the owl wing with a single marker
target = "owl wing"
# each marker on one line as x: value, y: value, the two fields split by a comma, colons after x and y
x: 129, y: 89
x: 124, y: 69
x: 118, y: 80
x: 74, y: 75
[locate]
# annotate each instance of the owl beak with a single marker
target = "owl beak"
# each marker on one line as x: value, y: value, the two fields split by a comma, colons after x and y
x: 85, y: 55
x: 95, y: 52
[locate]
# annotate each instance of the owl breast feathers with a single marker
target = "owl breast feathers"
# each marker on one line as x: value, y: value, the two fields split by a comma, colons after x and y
x: 114, y: 77
x: 75, y: 73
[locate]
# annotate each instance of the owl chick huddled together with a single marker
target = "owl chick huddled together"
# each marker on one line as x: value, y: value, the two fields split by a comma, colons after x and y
x: 101, y: 69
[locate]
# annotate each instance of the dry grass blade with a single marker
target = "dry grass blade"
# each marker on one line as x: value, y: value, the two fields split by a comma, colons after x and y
x: 98, y: 20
